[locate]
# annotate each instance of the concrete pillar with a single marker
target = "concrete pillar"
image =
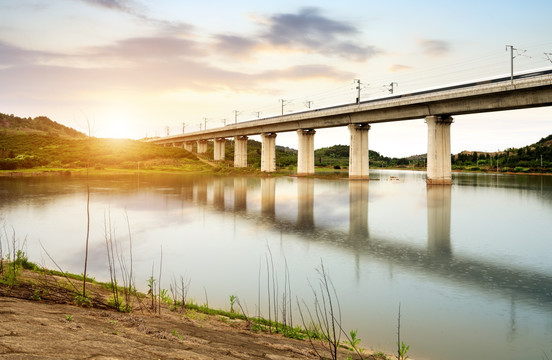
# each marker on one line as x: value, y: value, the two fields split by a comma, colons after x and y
x: 268, y: 152
x: 358, y: 151
x: 189, y: 146
x: 268, y: 196
x: 438, y: 218
x: 202, y: 146
x: 219, y: 149
x: 305, y: 203
x: 438, y: 150
x: 305, y: 154
x: 240, y: 194
x: 358, y: 210
x: 240, y: 151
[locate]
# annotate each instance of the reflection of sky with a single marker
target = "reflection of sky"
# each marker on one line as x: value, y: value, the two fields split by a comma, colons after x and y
x: 495, y: 232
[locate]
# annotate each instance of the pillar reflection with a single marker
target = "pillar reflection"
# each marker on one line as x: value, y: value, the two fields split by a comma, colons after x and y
x: 268, y: 194
x: 201, y: 191
x: 218, y: 193
x: 358, y: 209
x: 305, y: 203
x: 240, y: 194
x: 438, y: 218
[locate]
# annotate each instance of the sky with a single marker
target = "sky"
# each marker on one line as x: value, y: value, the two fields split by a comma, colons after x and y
x: 137, y: 68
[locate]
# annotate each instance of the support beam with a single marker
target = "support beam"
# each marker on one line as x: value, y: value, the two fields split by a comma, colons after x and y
x: 240, y: 151
x: 305, y: 154
x: 438, y: 150
x: 268, y: 152
x: 219, y: 149
x: 189, y: 146
x: 202, y: 146
x: 358, y: 151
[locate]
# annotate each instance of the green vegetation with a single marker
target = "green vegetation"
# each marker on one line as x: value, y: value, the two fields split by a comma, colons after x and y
x: 337, y: 157
x: 233, y: 299
x: 532, y: 158
x: 39, y: 125
x: 24, y: 146
x: 353, y: 341
x: 284, y: 156
x: 402, y: 350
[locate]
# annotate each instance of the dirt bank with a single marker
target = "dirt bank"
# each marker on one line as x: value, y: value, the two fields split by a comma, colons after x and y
x: 40, y: 321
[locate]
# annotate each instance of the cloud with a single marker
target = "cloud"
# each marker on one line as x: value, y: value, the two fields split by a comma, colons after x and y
x: 233, y: 45
x: 435, y: 47
x: 127, y: 6
x: 155, y: 65
x: 12, y: 55
x: 137, y: 10
x: 399, y: 67
x: 158, y: 48
x: 311, y: 32
x: 303, y: 72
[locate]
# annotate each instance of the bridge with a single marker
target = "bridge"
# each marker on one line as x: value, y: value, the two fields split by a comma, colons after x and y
x: 436, y: 106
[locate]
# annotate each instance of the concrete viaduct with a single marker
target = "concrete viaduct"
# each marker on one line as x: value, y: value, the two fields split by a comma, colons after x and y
x: 435, y: 106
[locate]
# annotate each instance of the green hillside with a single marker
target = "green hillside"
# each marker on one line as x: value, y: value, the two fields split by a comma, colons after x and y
x: 10, y: 124
x: 531, y: 158
x: 41, y: 142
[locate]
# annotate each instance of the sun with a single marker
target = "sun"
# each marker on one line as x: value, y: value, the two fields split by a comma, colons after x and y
x: 116, y: 126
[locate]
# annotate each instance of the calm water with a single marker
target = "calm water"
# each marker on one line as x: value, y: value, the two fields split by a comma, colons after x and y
x: 470, y: 264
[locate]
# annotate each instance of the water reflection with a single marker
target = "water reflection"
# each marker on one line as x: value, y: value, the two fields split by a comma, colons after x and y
x: 429, y: 236
x: 201, y: 192
x: 268, y: 196
x: 358, y: 210
x: 218, y: 193
x: 438, y: 219
x: 240, y: 194
x: 305, y: 203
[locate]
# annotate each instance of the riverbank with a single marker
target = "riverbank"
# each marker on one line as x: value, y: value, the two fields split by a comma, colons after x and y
x: 44, y: 317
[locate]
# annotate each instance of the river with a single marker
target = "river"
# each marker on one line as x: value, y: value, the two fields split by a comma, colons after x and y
x: 469, y: 264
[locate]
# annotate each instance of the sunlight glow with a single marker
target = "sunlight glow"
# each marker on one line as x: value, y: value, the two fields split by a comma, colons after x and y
x: 116, y: 125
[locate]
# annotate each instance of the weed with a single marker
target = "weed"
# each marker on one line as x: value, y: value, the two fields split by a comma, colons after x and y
x: 117, y: 303
x: 82, y: 300
x: 380, y: 356
x: 36, y: 295
x: 69, y: 317
x: 176, y: 334
x: 294, y: 333
x: 258, y: 327
x: 353, y: 341
x: 402, y: 350
x: 233, y: 299
x: 164, y: 295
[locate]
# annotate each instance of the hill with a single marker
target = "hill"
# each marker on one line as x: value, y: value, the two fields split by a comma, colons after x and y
x: 531, y: 158
x: 41, y: 125
x: 40, y: 142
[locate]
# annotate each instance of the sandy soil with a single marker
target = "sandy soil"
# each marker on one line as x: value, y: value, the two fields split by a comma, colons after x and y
x: 52, y: 328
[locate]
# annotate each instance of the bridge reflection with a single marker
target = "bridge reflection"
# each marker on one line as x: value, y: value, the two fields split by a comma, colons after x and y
x: 436, y: 259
